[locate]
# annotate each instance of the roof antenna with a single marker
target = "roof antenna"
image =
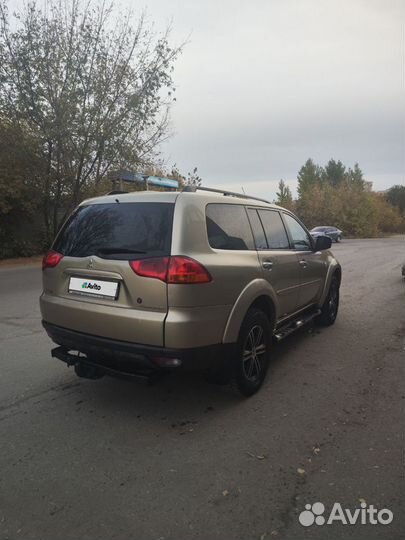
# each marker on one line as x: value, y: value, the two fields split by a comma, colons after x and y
x: 243, y: 191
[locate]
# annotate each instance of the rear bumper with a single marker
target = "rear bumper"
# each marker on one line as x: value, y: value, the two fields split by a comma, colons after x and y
x: 132, y: 358
x: 99, y: 318
x: 179, y: 327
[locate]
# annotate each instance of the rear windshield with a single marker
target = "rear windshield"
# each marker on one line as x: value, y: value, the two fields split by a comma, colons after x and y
x: 117, y: 231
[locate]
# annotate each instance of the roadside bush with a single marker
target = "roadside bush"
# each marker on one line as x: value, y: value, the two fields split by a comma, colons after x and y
x: 340, y: 196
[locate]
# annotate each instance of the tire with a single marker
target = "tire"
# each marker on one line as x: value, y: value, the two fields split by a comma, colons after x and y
x: 330, y: 307
x: 251, y: 363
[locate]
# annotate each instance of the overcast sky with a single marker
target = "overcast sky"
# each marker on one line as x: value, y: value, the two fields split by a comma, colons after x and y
x: 264, y: 84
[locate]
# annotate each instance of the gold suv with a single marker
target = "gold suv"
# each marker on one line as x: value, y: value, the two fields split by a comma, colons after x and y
x: 143, y: 283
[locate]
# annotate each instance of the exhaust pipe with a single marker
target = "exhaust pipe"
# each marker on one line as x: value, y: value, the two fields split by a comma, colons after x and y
x: 87, y: 371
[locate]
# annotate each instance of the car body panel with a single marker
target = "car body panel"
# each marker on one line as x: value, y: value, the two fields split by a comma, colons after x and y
x: 284, y: 278
x: 312, y: 269
x: 332, y: 268
x: 256, y: 289
x: 187, y: 327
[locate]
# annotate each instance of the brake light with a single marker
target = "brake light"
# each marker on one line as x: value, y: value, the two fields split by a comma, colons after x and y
x: 153, y: 268
x: 51, y: 259
x: 186, y: 270
x: 172, y: 270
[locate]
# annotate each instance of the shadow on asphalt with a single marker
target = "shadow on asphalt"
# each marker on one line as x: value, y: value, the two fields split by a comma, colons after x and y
x: 182, y: 395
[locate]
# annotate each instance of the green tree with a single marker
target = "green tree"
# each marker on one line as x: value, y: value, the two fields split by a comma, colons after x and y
x: 20, y: 189
x: 284, y: 195
x: 334, y: 172
x: 345, y: 199
x: 93, y: 87
x: 396, y: 196
x: 355, y: 177
x: 308, y: 176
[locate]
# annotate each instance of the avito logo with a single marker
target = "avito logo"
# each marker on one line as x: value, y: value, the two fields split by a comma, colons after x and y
x: 313, y: 514
x: 89, y: 285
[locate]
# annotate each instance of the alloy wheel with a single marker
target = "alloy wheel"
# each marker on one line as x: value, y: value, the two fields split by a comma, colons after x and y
x: 333, y: 301
x: 254, y: 353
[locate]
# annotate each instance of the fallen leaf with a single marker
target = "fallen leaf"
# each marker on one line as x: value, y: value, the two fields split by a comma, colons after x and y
x: 260, y: 457
x: 300, y: 471
x: 225, y: 493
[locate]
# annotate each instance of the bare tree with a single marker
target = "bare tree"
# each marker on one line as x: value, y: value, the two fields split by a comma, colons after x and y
x: 95, y: 87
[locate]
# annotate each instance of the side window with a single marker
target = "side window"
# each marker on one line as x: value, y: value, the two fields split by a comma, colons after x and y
x: 299, y: 235
x: 228, y: 227
x: 274, y: 228
x: 257, y: 228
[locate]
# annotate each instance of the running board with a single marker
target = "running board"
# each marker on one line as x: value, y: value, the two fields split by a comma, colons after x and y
x: 294, y: 325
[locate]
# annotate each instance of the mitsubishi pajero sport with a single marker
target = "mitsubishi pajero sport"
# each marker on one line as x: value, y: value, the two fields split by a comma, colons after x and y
x: 147, y: 282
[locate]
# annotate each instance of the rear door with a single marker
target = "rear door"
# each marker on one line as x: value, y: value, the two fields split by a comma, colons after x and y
x: 312, y: 265
x: 98, y: 243
x: 277, y: 259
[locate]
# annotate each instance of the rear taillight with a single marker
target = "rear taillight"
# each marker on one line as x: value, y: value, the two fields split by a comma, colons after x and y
x: 172, y: 270
x: 153, y: 268
x: 186, y: 270
x: 51, y: 259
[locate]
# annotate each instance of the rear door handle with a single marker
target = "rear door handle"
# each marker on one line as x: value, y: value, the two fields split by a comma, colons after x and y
x: 267, y: 265
x: 303, y: 263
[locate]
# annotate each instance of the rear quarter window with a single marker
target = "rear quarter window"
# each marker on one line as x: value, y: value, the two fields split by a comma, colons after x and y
x: 105, y: 229
x: 228, y: 227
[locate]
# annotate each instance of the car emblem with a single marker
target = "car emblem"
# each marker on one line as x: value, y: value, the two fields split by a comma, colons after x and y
x: 91, y: 262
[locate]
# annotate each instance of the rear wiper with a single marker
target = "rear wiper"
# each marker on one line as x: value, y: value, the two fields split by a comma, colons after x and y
x: 115, y: 250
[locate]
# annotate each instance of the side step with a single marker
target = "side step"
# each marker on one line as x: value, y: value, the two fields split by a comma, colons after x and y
x: 294, y: 325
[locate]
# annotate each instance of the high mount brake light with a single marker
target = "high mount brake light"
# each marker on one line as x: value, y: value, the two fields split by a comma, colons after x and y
x: 175, y: 270
x: 51, y: 259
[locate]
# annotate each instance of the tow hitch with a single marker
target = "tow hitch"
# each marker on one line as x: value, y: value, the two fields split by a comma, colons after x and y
x: 82, y: 368
x: 91, y: 369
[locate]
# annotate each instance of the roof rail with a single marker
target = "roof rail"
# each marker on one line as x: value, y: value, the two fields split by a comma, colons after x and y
x: 193, y: 189
x: 117, y: 192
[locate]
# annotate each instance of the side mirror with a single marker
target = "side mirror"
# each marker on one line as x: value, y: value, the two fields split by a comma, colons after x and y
x: 322, y: 243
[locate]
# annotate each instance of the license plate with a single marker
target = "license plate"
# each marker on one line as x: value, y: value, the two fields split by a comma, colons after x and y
x: 94, y: 287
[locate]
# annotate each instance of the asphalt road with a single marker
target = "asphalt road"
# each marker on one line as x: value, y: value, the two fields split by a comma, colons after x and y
x: 113, y: 459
